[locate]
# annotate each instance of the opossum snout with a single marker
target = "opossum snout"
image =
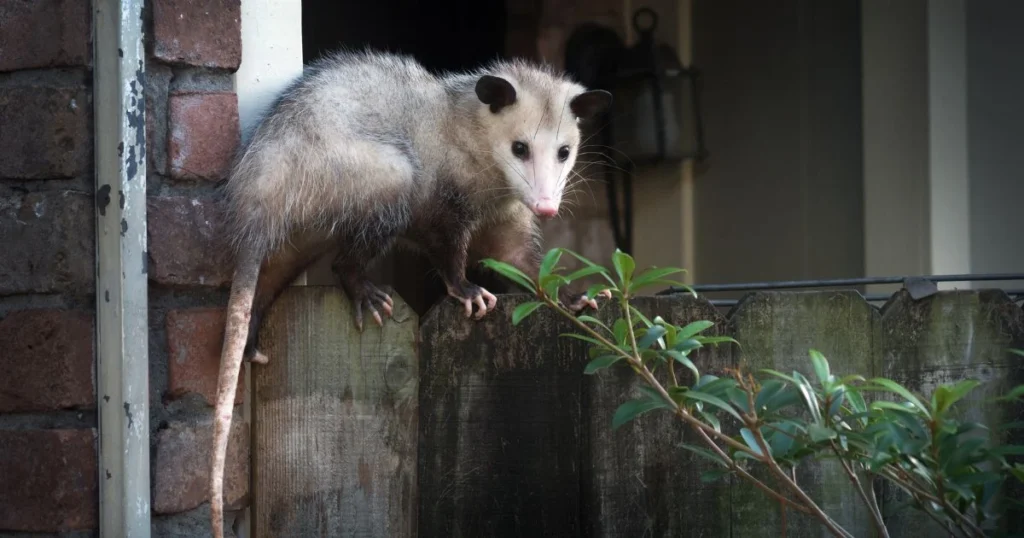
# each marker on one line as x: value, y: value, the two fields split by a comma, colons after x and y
x: 545, y: 208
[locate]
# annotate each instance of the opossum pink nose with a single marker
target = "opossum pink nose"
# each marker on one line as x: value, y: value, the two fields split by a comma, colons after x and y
x: 545, y: 208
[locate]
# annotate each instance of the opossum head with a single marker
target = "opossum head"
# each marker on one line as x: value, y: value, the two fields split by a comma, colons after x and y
x: 530, y: 119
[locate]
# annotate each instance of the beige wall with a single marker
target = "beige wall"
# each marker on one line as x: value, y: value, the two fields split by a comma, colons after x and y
x: 781, y: 196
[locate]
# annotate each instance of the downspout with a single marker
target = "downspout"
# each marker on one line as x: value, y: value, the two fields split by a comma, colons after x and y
x: 122, y: 327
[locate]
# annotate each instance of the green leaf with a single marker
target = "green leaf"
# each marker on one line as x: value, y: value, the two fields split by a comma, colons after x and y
x: 810, y: 399
x: 600, y: 363
x: 820, y: 433
x: 768, y: 389
x: 591, y: 319
x: 682, y: 359
x: 945, y: 396
x: 780, y: 438
x: 688, y: 345
x: 892, y: 386
x: 624, y: 266
x: 621, y: 331
x: 634, y: 408
x: 693, y: 328
x: 585, y: 338
x: 712, y: 400
x: 510, y: 273
x: 856, y: 401
x: 738, y: 398
x: 653, y: 276
x: 715, y: 474
x: 820, y: 366
x: 585, y: 272
x: 780, y: 375
x: 787, y: 396
x: 549, y: 261
x: 1018, y: 471
x: 748, y: 436
x: 653, y: 334
x: 712, y: 420
x: 1017, y: 392
x: 524, y: 310
x: 551, y: 283
x: 715, y: 340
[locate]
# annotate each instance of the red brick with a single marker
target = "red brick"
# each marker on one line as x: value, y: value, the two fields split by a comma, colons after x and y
x: 49, y: 480
x: 203, y: 134
x: 46, y: 361
x: 49, y: 242
x: 44, y: 33
x: 194, y: 339
x: 186, y: 243
x: 205, y: 33
x: 182, y: 467
x: 46, y: 132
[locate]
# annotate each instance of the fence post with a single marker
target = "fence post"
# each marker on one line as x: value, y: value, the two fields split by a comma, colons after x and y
x: 499, y: 424
x: 637, y: 481
x: 777, y: 330
x: 945, y: 338
x: 334, y: 420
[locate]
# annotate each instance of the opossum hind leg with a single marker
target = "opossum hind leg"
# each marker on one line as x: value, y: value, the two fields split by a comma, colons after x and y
x: 279, y: 270
x: 361, y: 246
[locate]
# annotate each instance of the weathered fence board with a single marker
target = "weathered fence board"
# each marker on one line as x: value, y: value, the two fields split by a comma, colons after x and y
x: 636, y: 480
x: 334, y: 421
x: 943, y: 339
x: 777, y: 330
x: 503, y: 435
x: 499, y: 425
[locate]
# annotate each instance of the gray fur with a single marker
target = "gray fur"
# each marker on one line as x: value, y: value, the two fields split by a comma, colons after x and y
x: 370, y: 150
x: 365, y: 133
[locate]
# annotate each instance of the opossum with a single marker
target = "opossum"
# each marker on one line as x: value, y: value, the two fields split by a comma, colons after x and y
x: 366, y: 150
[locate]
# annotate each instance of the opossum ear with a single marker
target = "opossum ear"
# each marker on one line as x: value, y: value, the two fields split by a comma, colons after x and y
x: 495, y: 91
x: 590, y: 103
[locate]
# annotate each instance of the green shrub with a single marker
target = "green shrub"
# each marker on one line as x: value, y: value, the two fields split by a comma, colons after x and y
x: 949, y: 469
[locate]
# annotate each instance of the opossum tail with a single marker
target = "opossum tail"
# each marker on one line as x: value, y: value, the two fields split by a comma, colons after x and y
x: 236, y: 331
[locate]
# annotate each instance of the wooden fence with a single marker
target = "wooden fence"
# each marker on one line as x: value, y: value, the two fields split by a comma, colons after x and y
x: 461, y: 428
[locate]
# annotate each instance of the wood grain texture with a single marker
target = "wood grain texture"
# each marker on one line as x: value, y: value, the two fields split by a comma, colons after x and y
x: 334, y: 421
x: 636, y: 480
x: 777, y: 330
x: 500, y: 424
x: 946, y: 338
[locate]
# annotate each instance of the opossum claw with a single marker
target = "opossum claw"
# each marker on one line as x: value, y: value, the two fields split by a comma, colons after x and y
x: 470, y: 294
x: 576, y: 303
x: 365, y: 295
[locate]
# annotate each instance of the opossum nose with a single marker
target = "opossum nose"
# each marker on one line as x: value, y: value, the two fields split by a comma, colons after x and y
x: 545, y: 208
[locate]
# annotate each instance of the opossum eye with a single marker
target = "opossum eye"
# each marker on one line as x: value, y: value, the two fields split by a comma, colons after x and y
x: 520, y: 149
x: 563, y: 153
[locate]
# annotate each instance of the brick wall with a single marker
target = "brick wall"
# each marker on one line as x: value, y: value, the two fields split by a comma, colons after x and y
x: 48, y: 474
x: 194, y: 47
x: 48, y: 436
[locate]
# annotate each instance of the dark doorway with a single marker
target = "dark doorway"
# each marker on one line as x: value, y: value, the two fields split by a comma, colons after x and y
x: 451, y: 35
x: 443, y: 35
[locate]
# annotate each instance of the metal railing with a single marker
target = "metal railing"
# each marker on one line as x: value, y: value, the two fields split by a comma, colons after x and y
x: 918, y: 286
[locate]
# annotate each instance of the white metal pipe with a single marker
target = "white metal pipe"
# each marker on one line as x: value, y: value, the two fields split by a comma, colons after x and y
x: 122, y: 328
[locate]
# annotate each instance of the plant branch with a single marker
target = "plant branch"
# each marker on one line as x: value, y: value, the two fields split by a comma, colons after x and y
x: 747, y: 476
x: 816, y: 510
x: 876, y: 515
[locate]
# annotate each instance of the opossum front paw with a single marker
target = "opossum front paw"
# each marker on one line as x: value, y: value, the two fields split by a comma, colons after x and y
x: 366, y: 296
x: 577, y: 302
x: 470, y: 294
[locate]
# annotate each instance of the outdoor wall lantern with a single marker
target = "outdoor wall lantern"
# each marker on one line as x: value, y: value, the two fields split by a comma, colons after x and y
x: 655, y: 114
